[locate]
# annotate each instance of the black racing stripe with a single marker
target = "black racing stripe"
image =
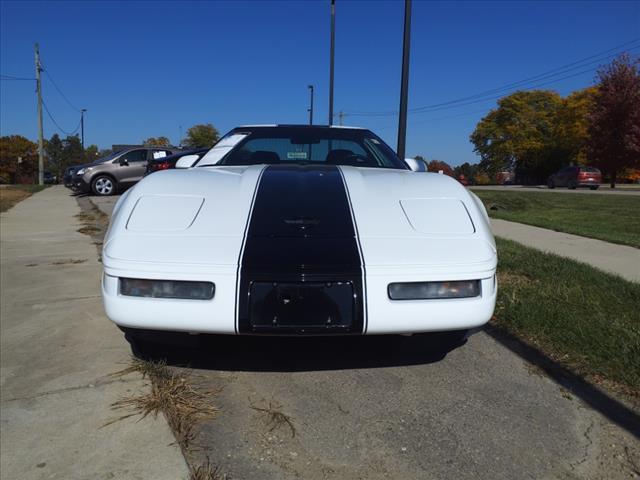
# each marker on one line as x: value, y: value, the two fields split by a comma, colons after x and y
x: 301, y: 241
x: 244, y: 241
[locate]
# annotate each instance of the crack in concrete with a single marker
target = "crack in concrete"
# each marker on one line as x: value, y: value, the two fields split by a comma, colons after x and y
x: 97, y: 384
x: 585, y: 434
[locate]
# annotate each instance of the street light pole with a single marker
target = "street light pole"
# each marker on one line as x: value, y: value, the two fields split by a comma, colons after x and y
x: 40, y: 135
x: 331, y: 59
x: 310, y: 109
x: 404, y: 86
x: 82, y: 126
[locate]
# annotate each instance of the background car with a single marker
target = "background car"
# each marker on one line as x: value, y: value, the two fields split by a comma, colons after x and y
x: 166, y: 163
x: 576, y: 176
x: 49, y: 178
x: 118, y: 171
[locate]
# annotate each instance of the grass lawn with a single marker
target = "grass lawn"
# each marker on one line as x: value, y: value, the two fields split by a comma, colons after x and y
x: 12, y: 194
x: 583, y: 318
x: 612, y: 218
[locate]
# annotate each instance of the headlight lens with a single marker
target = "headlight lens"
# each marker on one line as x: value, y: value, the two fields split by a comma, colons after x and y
x: 82, y: 171
x: 136, y: 287
x: 434, y: 290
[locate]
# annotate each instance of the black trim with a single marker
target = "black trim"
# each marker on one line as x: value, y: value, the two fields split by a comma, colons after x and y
x: 364, y: 267
x: 300, y: 231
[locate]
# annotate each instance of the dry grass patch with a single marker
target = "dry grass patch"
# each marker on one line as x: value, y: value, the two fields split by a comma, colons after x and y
x: 12, y: 194
x: 175, y: 395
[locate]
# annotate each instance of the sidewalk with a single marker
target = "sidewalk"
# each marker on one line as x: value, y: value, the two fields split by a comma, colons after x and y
x: 617, y: 259
x: 57, y: 350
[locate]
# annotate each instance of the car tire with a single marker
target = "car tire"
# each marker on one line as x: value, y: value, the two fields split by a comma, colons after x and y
x: 594, y: 188
x: 572, y: 185
x: 103, y: 185
x: 551, y: 184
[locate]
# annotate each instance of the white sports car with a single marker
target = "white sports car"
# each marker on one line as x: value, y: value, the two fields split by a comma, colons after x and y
x: 299, y: 230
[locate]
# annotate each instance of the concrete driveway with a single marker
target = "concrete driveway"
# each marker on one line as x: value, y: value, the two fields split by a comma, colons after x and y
x: 385, y: 408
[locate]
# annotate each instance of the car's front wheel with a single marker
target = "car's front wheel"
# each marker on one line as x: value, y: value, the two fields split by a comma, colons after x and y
x: 103, y: 185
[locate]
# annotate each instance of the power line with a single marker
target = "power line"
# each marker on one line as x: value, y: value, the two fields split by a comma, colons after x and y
x: 46, y: 109
x: 13, y: 77
x: 58, y: 89
x: 542, y: 76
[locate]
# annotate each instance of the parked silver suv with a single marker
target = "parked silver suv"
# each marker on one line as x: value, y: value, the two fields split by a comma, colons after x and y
x: 118, y: 171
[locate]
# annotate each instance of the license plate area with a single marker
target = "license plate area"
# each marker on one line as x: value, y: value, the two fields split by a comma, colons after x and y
x: 302, y: 307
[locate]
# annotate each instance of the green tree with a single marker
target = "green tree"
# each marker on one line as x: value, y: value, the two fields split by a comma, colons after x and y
x: 54, y: 149
x: 18, y: 158
x: 91, y: 153
x: 614, y: 122
x: 520, y: 135
x: 201, y: 136
x: 467, y: 170
x: 156, y: 142
x: 571, y: 131
x: 72, y: 153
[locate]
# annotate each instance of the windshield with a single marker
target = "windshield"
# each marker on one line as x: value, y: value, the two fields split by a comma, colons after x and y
x: 108, y: 157
x: 304, y: 145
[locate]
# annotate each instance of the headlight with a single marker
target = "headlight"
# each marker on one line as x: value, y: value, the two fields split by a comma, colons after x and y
x: 434, y: 290
x: 136, y: 287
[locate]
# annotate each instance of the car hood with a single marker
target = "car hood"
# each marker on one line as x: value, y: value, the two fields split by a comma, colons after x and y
x: 199, y: 217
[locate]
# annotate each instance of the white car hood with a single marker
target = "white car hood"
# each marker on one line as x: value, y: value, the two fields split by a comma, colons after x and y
x: 199, y: 217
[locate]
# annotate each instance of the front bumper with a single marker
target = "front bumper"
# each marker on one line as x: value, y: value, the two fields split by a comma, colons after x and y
x: 218, y: 315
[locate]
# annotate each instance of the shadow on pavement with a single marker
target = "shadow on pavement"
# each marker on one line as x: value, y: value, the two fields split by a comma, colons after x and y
x: 295, y: 354
x: 609, y: 407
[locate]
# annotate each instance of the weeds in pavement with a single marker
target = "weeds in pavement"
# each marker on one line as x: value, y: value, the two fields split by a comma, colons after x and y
x: 275, y: 417
x: 88, y: 230
x: 69, y: 261
x: 173, y: 394
x: 206, y: 471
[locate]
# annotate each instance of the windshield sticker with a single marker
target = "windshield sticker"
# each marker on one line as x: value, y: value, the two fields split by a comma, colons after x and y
x: 296, y: 155
x: 223, y: 147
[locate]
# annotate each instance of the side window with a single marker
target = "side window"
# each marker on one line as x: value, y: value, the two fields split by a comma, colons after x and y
x: 135, y: 156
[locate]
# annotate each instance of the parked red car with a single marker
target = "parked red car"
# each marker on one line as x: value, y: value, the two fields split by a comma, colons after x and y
x: 576, y: 176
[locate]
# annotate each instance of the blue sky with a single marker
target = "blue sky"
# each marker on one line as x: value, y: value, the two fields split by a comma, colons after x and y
x: 146, y: 68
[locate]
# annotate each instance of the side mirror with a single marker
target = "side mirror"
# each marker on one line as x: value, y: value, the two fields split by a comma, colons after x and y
x: 123, y: 161
x: 416, y: 165
x: 187, y: 161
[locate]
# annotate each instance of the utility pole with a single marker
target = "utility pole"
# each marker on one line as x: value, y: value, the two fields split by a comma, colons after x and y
x: 331, y: 59
x: 82, y: 126
x: 310, y: 109
x: 404, y: 86
x: 40, y: 139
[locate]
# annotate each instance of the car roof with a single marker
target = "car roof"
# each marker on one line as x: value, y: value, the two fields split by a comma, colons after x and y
x: 300, y: 126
